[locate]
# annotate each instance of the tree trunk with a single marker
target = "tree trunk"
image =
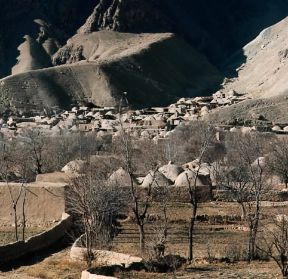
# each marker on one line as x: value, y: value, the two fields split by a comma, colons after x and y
x: 89, y: 256
x: 191, y: 233
x: 15, y: 222
x: 252, y: 236
x: 252, y: 253
x: 244, y: 213
x: 141, y: 238
x: 285, y: 272
x: 24, y: 216
x: 211, y: 192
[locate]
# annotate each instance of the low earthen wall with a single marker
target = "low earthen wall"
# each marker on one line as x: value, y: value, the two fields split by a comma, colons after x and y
x: 13, y: 251
x: 272, y: 196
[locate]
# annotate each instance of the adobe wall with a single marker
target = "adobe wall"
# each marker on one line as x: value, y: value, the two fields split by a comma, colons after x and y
x: 45, y: 203
x: 272, y: 196
x: 35, y: 243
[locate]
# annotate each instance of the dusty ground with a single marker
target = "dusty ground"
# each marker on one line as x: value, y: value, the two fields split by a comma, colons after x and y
x: 59, y: 267
x: 241, y: 270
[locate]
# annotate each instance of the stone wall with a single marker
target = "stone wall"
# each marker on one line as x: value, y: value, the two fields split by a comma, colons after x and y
x: 35, y: 243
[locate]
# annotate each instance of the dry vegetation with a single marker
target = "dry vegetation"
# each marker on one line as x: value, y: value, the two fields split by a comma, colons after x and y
x: 7, y: 235
x: 57, y: 266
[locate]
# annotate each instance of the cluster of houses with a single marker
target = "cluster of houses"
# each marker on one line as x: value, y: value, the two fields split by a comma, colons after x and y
x: 166, y: 175
x: 154, y: 123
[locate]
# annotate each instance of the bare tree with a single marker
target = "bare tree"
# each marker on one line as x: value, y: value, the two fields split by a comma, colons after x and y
x: 35, y: 142
x: 236, y: 180
x: 277, y: 160
x: 203, y: 142
x: 15, y: 167
x: 276, y: 243
x: 97, y: 204
x: 141, y: 200
x: 22, y: 159
x: 24, y: 214
x: 248, y: 181
x: 14, y: 201
x: 161, y: 229
x: 6, y: 166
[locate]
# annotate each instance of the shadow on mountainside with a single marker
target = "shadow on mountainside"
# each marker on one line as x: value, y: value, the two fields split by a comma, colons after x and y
x: 218, y: 29
x: 17, y: 20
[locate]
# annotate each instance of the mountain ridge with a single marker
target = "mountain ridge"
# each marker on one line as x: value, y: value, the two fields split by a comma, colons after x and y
x: 210, y: 34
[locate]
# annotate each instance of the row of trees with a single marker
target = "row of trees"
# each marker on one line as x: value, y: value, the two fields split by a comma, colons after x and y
x: 35, y: 153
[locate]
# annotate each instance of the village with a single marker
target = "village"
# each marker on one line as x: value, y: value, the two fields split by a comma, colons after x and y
x: 183, y: 173
x: 151, y: 123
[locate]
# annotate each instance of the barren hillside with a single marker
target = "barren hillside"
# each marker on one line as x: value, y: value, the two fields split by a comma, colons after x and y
x: 263, y: 77
x: 153, y: 69
x: 128, y: 43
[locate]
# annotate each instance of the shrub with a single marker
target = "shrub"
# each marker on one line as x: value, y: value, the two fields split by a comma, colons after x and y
x: 165, y: 264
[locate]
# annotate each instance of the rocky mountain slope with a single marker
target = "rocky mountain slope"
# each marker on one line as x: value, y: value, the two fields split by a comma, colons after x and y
x: 264, y: 73
x: 152, y: 68
x: 44, y: 21
x: 263, y: 77
x: 216, y: 28
x: 40, y: 40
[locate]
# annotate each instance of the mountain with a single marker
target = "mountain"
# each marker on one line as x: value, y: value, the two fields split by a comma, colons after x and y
x: 41, y: 20
x: 152, y: 68
x: 263, y: 77
x: 56, y: 52
x: 216, y: 28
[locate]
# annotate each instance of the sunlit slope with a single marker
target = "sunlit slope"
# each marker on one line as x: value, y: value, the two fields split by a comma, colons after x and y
x: 153, y: 68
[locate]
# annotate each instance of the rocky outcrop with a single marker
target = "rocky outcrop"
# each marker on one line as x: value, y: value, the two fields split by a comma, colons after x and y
x: 69, y: 55
x: 263, y: 78
x: 32, y: 57
x: 127, y: 16
x: 208, y: 33
x: 204, y: 24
